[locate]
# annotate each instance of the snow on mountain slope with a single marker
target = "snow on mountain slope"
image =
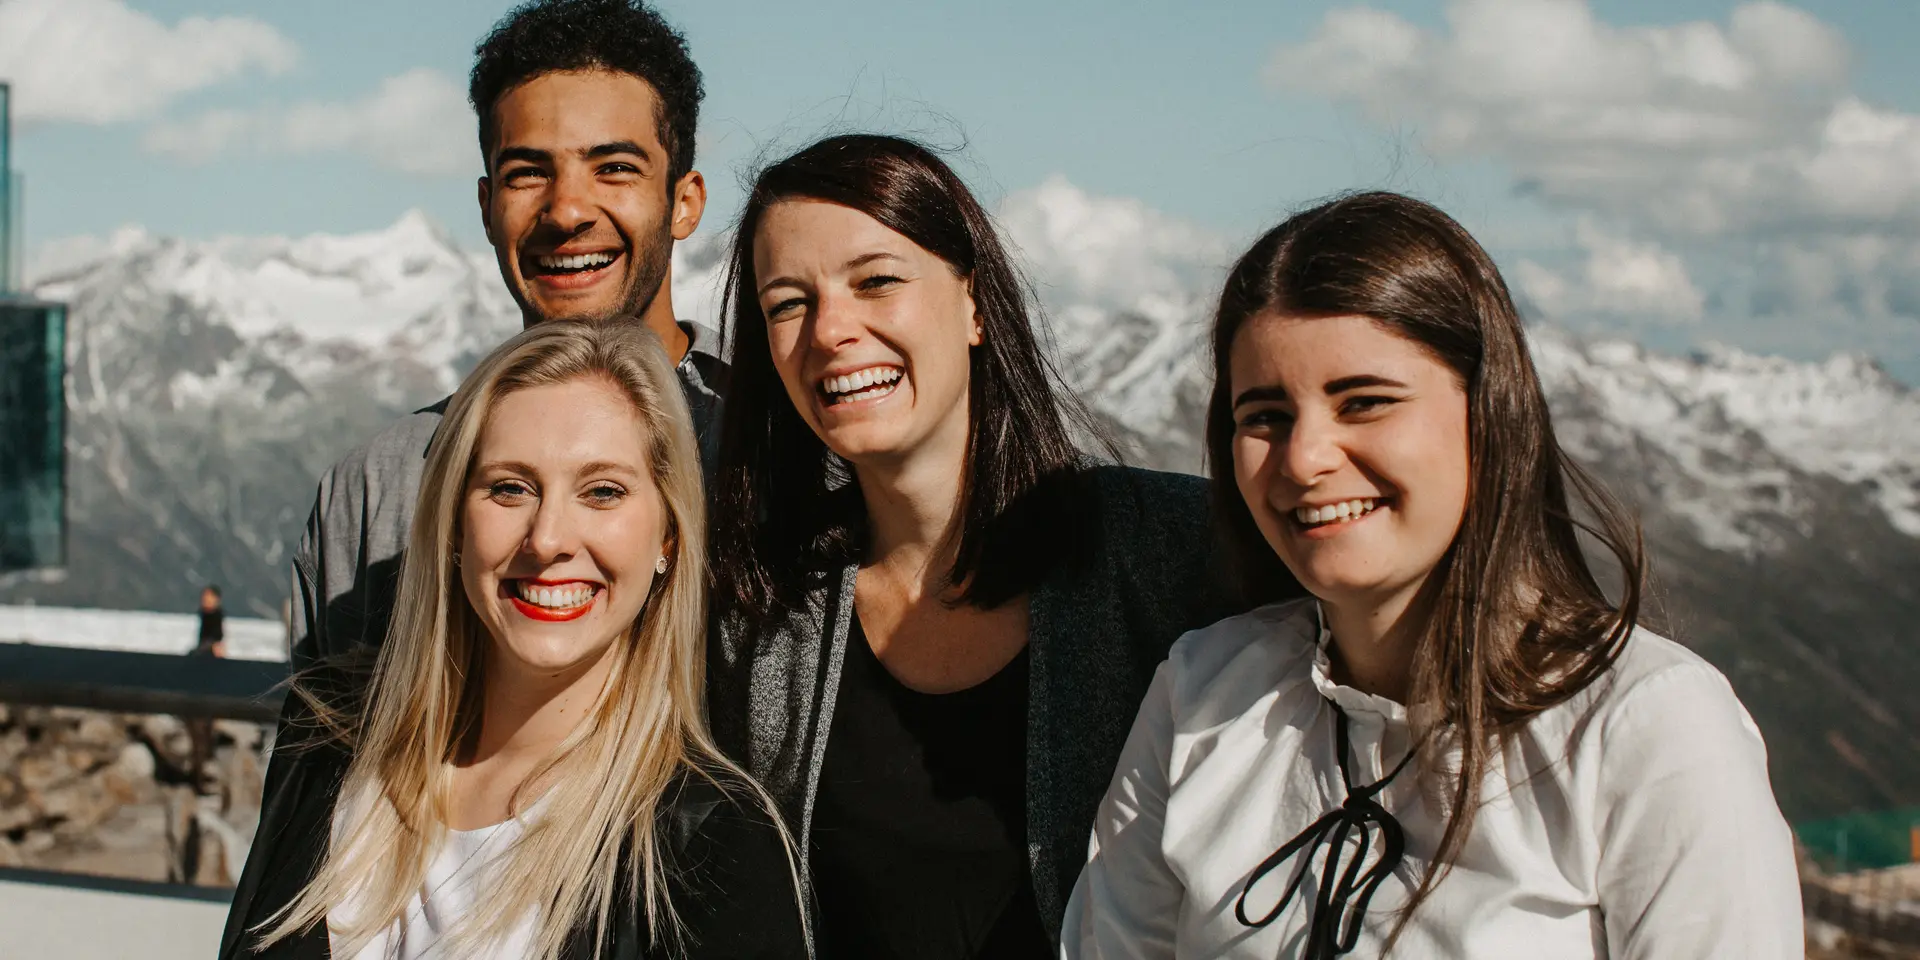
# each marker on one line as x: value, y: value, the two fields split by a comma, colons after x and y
x: 308, y: 304
x: 1128, y: 292
x: 1741, y: 426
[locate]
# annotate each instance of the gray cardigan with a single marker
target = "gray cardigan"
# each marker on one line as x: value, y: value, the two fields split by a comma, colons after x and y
x: 1096, y: 634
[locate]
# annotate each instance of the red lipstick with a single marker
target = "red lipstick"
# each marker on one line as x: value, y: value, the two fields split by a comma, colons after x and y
x: 534, y: 611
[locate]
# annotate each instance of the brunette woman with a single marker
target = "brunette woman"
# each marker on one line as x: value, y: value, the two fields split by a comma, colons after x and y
x: 935, y: 612
x: 1460, y: 746
x: 527, y: 772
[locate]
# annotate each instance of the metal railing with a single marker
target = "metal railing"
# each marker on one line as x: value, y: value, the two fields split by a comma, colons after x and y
x: 42, y: 676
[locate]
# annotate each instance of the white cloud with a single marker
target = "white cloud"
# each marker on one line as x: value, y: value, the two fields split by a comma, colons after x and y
x: 416, y: 122
x: 1697, y: 127
x: 99, y: 61
x: 1735, y: 144
x: 1634, y: 281
x: 1115, y: 251
x: 1866, y: 275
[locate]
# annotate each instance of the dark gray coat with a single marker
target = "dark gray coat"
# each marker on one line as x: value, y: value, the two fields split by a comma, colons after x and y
x: 1097, y: 632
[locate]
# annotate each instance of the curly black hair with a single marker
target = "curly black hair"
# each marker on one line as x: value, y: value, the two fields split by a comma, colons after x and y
x: 626, y: 36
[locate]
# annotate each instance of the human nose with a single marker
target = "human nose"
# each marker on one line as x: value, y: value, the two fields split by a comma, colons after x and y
x: 835, y: 323
x: 553, y: 536
x: 1312, y: 449
x: 571, y: 207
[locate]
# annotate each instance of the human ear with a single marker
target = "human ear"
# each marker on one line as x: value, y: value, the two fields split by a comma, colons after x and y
x: 689, y: 204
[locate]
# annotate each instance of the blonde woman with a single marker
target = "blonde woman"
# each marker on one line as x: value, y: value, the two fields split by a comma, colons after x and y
x: 526, y: 771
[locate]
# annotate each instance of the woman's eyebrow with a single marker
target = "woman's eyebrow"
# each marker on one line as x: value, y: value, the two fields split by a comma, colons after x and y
x: 505, y: 466
x: 866, y: 258
x: 1260, y: 394
x: 607, y: 466
x: 854, y: 264
x: 1333, y: 388
x: 1355, y: 382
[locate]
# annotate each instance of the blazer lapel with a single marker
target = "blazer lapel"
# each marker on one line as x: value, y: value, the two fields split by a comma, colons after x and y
x: 1044, y: 621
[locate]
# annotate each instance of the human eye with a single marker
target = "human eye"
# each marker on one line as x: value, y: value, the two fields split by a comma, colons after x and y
x: 618, y: 168
x: 785, y: 308
x: 522, y: 176
x: 1367, y: 404
x: 604, y: 494
x: 1264, y: 418
x: 508, y: 491
x: 880, y: 281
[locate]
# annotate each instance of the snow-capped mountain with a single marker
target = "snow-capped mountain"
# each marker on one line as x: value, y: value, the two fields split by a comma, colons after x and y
x: 303, y: 308
x: 212, y: 382
x: 1743, y: 426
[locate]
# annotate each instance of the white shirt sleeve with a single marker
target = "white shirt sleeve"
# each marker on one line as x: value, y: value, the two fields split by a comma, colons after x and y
x: 1695, y: 858
x: 1127, y: 902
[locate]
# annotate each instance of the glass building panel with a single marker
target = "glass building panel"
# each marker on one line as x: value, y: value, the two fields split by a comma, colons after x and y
x: 10, y: 238
x: 32, y: 434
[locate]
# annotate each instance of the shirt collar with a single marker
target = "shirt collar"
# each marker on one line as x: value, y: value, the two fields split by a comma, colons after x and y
x: 703, y: 361
x: 1347, y: 698
x: 701, y: 339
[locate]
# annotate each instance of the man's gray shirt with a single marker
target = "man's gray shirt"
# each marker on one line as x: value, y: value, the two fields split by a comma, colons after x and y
x: 347, y: 568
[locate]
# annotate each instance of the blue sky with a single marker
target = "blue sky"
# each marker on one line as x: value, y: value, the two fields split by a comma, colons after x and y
x: 1224, y: 115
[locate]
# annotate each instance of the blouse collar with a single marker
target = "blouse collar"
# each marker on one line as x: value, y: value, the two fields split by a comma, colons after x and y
x: 1346, y: 697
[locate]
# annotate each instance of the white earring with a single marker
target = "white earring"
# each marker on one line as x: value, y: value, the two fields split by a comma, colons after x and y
x: 660, y: 565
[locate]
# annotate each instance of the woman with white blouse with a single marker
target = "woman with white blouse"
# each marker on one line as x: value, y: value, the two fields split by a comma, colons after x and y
x: 1459, y: 746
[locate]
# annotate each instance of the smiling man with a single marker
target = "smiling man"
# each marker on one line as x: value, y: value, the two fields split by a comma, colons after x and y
x: 587, y: 114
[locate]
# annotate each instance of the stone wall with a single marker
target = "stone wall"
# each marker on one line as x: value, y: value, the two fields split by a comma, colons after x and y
x: 142, y: 796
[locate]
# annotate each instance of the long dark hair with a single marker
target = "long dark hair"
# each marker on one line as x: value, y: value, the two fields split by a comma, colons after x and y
x: 784, y: 507
x: 1515, y: 620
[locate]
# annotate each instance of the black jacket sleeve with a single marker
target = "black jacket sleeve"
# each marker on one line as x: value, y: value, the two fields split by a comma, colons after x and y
x: 732, y: 882
x: 296, y: 824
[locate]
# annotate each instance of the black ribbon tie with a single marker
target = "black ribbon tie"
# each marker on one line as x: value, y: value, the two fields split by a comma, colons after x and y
x: 1343, y: 889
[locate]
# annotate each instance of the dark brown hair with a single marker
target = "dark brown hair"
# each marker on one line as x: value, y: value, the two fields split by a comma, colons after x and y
x: 539, y: 37
x: 785, y: 508
x: 1515, y: 620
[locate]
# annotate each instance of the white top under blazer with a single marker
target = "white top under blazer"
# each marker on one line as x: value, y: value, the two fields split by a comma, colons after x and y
x: 1632, y: 822
x: 458, y: 873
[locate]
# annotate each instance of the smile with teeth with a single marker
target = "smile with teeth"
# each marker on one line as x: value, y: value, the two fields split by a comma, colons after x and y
x: 556, y: 597
x: 575, y: 262
x: 1333, y: 512
x: 869, y: 384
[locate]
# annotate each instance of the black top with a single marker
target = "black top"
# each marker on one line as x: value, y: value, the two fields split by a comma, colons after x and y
x: 1097, y: 631
x: 728, y: 874
x: 212, y: 630
x: 920, y: 825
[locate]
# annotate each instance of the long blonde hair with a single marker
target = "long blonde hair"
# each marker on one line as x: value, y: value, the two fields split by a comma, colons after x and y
x: 609, y: 776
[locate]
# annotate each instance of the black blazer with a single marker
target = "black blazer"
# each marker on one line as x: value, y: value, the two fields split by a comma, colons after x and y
x: 727, y: 874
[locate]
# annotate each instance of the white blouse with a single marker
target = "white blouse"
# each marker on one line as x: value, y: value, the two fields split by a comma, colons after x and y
x: 1633, y: 821
x: 456, y: 876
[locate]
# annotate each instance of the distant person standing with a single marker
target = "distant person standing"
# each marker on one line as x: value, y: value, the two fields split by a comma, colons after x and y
x: 213, y: 625
x: 587, y: 111
x: 211, y: 643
